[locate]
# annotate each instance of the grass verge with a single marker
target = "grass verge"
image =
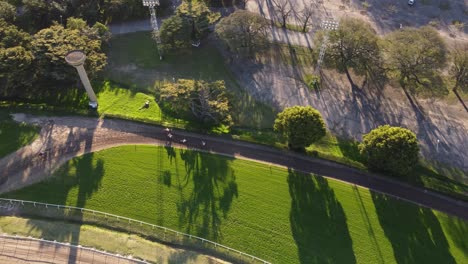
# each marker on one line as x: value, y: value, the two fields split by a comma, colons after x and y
x: 14, y: 135
x: 274, y: 213
x: 346, y: 152
x: 292, y: 27
x: 90, y: 236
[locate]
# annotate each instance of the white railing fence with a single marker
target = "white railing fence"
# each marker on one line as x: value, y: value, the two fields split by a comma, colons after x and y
x: 151, y: 231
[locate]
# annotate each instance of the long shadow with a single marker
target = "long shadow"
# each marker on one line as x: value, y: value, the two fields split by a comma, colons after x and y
x: 414, y: 232
x: 82, y: 173
x: 214, y: 188
x: 318, y: 222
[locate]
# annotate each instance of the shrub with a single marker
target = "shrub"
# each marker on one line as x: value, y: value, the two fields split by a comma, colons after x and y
x: 312, y: 81
x: 301, y: 125
x: 390, y: 149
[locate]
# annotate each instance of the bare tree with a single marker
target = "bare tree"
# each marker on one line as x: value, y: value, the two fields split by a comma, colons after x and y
x: 284, y: 8
x: 305, y: 16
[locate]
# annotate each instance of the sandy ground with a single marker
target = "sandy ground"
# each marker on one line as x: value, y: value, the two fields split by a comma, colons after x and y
x: 384, y: 15
x: 442, y: 129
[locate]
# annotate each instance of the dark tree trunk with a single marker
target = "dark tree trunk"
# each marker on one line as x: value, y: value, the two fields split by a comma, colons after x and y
x: 349, y: 77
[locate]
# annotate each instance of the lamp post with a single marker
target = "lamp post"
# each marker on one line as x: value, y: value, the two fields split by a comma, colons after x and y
x: 152, y: 4
x: 61, y: 22
x: 76, y: 58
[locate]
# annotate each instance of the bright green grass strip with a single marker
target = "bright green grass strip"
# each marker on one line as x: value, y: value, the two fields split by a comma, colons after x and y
x: 124, y: 103
x: 281, y: 216
x: 14, y: 135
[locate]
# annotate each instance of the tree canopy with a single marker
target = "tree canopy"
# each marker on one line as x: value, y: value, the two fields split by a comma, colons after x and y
x: 190, y: 24
x: 7, y: 11
x: 354, y: 45
x: 301, y: 125
x: 243, y: 32
x: 390, y: 149
x: 175, y: 33
x: 25, y: 59
x: 199, y: 16
x: 16, y: 57
x: 206, y: 101
x: 415, y: 56
x: 52, y: 44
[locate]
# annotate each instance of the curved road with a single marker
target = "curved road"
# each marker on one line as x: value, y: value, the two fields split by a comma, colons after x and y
x: 63, y: 138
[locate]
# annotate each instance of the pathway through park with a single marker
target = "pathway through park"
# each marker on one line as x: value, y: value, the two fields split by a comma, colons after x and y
x: 62, y: 138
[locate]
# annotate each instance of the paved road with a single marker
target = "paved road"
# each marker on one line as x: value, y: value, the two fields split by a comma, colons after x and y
x: 62, y: 138
x: 28, y: 250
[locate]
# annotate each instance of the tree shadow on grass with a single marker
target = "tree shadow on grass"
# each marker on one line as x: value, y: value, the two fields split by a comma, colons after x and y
x: 318, y: 222
x: 214, y: 188
x: 81, y: 173
x: 414, y: 232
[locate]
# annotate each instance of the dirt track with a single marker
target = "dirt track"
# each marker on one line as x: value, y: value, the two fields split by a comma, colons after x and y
x: 26, y: 250
x: 63, y: 138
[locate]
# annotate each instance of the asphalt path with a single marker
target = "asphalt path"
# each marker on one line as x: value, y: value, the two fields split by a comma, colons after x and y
x: 67, y: 137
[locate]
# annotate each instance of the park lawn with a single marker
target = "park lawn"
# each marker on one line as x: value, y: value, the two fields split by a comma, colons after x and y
x: 280, y: 216
x: 137, y: 53
x: 123, y: 103
x: 14, y: 135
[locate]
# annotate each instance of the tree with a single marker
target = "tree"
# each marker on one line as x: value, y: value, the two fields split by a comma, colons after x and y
x: 40, y: 14
x: 459, y: 68
x: 97, y: 31
x: 175, y: 33
x: 207, y: 102
x: 7, y: 11
x: 301, y: 125
x: 199, y: 16
x: 243, y: 32
x: 415, y: 56
x: 354, y: 45
x: 284, y: 8
x: 118, y: 10
x: 390, y: 149
x: 76, y: 23
x: 52, y: 44
x: 11, y: 36
x: 305, y: 16
x: 15, y: 60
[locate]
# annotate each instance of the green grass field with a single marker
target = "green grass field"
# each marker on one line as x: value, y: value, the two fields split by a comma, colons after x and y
x: 14, y: 135
x: 275, y: 214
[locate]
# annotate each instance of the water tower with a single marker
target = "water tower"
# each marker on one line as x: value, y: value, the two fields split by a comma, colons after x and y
x: 76, y: 58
